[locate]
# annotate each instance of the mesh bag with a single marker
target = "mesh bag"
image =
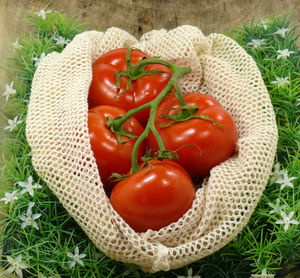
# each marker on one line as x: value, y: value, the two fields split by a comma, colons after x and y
x: 57, y: 131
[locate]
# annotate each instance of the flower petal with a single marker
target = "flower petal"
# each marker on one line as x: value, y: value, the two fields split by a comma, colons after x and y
x: 34, y: 225
x: 293, y: 221
x: 23, y: 265
x: 70, y: 255
x: 291, y: 214
x: 286, y: 226
x: 279, y: 222
x: 10, y: 270
x: 80, y: 262
x: 19, y: 272
x: 36, y: 216
x: 10, y: 259
x: 71, y: 264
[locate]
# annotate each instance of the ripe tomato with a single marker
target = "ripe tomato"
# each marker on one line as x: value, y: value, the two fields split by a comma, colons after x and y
x: 199, y: 143
x: 111, y: 156
x: 103, y: 90
x: 155, y: 196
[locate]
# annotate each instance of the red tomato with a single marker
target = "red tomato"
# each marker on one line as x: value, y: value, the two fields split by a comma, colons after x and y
x: 103, y: 90
x: 199, y: 143
x: 155, y: 196
x: 110, y: 155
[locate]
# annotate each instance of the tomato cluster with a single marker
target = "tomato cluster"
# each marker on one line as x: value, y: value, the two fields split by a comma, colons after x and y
x: 138, y: 122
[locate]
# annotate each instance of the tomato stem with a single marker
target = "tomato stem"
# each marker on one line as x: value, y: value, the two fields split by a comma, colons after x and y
x: 140, y: 66
x: 117, y: 123
x: 153, y: 108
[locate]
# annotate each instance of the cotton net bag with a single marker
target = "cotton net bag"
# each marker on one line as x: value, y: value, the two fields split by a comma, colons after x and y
x: 57, y: 131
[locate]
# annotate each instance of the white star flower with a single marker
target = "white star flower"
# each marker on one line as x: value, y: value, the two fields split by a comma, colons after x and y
x: 264, y: 23
x: 12, y: 124
x: 61, y: 41
x: 29, y: 219
x: 9, y: 90
x: 276, y: 173
x: 257, y: 43
x: 190, y: 274
x: 276, y: 207
x: 287, y: 220
x: 285, y: 181
x: 10, y: 197
x: 263, y: 274
x: 16, y: 265
x: 75, y: 258
x: 16, y: 45
x: 284, y: 53
x: 281, y: 32
x: 28, y: 186
x: 281, y: 82
x: 42, y: 13
x: 38, y: 60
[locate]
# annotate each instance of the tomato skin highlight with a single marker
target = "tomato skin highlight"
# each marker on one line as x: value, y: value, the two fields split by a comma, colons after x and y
x: 154, y: 197
x: 103, y: 90
x: 117, y: 58
x: 110, y: 155
x: 199, y: 143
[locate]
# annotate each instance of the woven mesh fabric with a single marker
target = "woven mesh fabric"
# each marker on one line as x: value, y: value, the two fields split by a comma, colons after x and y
x: 57, y: 131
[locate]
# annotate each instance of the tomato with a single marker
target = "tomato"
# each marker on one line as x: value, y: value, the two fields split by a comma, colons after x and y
x: 103, y: 90
x: 199, y: 143
x: 110, y: 155
x: 155, y: 196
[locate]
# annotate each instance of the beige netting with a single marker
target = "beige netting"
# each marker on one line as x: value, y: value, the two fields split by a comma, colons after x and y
x: 57, y: 132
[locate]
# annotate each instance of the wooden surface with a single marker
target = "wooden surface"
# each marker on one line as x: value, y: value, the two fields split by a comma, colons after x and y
x: 136, y: 17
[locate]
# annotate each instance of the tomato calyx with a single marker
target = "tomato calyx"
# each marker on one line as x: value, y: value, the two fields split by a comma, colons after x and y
x: 135, y: 72
x: 146, y: 159
x: 165, y: 154
x: 159, y: 155
x: 119, y: 131
x: 186, y: 112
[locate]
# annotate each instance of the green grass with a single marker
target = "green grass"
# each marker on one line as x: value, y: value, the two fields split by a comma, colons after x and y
x: 262, y: 244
